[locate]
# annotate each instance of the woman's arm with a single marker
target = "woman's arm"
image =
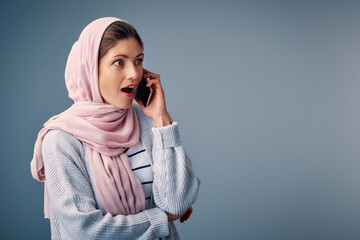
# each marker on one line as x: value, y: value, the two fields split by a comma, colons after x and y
x: 73, y: 212
x: 175, y: 184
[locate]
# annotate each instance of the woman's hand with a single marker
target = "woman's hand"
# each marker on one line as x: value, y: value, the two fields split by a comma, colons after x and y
x: 183, y: 216
x: 156, y: 109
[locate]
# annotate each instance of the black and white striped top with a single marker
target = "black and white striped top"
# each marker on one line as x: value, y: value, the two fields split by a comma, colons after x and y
x: 141, y: 167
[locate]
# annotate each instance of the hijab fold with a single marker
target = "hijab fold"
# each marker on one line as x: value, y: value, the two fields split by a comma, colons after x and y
x: 106, y: 130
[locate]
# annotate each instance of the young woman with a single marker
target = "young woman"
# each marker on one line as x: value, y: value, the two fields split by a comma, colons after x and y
x: 113, y: 169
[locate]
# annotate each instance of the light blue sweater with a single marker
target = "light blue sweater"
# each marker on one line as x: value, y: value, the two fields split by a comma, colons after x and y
x: 75, y: 209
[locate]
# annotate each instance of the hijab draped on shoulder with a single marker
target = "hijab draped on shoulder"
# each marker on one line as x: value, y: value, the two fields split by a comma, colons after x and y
x: 106, y: 130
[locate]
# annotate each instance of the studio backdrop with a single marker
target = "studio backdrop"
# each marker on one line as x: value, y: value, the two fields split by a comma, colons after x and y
x: 265, y: 93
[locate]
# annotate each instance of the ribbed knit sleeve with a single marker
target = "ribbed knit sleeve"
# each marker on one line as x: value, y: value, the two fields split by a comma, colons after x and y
x: 73, y: 211
x: 175, y: 184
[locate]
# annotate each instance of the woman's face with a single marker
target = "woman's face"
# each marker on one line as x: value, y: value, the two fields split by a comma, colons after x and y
x: 120, y: 68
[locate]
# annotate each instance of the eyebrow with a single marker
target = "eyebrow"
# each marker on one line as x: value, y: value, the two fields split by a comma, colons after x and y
x: 125, y: 56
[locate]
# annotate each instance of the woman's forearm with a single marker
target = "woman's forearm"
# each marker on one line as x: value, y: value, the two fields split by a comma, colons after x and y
x: 175, y: 184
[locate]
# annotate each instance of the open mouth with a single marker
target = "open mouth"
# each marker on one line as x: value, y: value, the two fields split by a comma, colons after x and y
x: 129, y: 89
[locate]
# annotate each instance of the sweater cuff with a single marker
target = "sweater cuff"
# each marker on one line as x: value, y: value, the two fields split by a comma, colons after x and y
x: 159, y: 221
x: 167, y: 137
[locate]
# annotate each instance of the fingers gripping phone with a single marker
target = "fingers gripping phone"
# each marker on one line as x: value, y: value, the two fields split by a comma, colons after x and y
x: 143, y: 92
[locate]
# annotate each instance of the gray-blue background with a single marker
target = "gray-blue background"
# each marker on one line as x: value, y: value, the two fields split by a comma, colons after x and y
x: 266, y: 94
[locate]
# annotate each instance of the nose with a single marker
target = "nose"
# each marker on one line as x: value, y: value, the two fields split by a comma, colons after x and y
x: 131, y: 71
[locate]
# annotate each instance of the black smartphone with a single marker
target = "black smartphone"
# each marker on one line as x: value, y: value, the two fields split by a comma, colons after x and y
x: 143, y: 92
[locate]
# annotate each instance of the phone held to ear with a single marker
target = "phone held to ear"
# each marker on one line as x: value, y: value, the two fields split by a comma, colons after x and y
x: 143, y: 92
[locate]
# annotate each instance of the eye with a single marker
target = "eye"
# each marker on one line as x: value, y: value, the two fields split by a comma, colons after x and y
x: 139, y: 61
x: 120, y: 62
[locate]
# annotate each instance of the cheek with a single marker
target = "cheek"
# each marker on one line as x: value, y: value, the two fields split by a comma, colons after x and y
x: 112, y: 86
x: 110, y: 82
x: 140, y: 73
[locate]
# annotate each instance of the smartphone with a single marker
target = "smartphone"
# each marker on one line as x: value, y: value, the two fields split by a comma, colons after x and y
x: 143, y: 92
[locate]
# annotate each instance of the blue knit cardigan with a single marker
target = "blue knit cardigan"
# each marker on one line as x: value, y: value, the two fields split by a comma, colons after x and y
x: 75, y: 209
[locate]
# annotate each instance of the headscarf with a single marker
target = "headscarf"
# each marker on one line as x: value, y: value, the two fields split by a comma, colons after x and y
x: 106, y: 130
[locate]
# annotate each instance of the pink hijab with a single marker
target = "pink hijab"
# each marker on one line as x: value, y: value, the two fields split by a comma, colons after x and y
x: 105, y: 129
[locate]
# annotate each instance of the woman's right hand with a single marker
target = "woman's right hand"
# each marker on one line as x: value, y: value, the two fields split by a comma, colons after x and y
x: 183, y: 216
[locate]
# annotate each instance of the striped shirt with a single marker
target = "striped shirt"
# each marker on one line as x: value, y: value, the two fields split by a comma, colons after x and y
x: 141, y: 167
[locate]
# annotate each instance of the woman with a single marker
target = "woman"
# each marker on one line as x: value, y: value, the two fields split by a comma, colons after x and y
x: 113, y: 169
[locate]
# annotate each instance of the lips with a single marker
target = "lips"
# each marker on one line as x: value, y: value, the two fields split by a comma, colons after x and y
x: 129, y: 90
